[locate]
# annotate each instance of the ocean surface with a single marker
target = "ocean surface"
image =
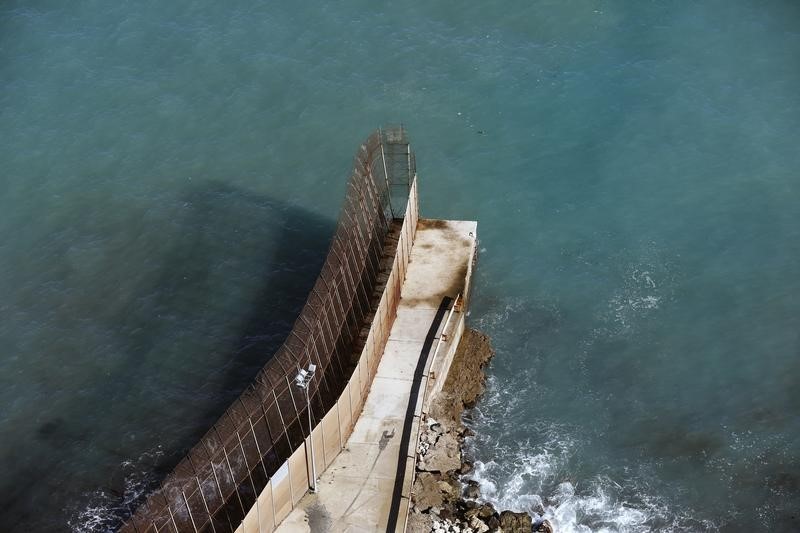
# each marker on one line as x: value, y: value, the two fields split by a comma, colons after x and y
x: 170, y: 177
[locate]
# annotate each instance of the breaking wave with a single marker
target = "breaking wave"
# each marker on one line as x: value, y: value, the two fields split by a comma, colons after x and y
x: 533, y: 482
x: 106, y: 509
x: 544, y: 478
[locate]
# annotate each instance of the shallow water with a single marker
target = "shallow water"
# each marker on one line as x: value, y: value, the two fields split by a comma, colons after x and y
x: 171, y: 175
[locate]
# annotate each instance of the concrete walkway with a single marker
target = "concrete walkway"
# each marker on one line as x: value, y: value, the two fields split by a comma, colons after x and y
x: 355, y: 493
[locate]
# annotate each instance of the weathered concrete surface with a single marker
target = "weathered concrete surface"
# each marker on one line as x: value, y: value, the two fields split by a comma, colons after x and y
x: 355, y: 492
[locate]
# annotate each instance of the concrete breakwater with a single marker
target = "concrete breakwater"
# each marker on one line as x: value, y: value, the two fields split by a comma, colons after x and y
x: 381, y: 326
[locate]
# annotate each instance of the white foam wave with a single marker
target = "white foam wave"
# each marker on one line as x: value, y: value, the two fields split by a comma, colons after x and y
x: 107, y: 509
x: 638, y: 295
x: 597, y: 510
x: 570, y: 511
x: 535, y: 479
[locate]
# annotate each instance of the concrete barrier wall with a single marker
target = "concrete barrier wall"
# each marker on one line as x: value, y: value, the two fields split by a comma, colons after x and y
x: 287, y: 487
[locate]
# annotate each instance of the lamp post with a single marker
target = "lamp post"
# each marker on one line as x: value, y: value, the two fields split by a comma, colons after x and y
x: 303, y: 380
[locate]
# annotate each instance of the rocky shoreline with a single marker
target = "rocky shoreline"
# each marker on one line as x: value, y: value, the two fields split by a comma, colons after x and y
x: 443, y: 498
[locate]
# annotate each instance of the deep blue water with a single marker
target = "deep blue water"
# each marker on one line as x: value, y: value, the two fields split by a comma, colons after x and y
x: 171, y: 174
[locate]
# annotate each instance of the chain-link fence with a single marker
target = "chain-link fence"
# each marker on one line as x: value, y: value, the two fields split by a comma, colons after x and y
x: 215, y: 485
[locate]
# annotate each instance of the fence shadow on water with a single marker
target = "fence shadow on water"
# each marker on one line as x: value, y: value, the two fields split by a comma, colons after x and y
x: 231, y: 272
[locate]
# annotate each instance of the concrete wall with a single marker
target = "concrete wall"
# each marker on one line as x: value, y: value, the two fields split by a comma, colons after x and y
x: 288, y: 485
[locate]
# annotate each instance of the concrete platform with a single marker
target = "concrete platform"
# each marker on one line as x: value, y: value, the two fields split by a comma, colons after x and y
x: 355, y: 492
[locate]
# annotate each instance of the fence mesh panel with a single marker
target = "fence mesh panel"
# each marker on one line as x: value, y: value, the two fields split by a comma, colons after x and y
x: 214, y: 486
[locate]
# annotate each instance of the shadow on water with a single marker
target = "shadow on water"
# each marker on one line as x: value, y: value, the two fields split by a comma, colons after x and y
x: 218, y: 291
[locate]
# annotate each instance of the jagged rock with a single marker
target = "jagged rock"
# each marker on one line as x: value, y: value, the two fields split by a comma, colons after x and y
x: 511, y: 522
x: 545, y: 527
x: 419, y: 522
x: 486, y: 511
x: 469, y: 514
x: 493, y: 522
x: 472, y: 492
x: 466, y: 468
x: 469, y: 504
x: 426, y: 492
x: 472, y: 509
x: 444, y: 456
x: 477, y: 525
x: 450, y: 492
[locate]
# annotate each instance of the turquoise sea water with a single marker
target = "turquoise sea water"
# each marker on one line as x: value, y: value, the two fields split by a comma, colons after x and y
x: 171, y: 173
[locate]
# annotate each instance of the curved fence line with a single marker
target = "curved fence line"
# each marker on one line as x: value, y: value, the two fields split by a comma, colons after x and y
x: 219, y: 481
